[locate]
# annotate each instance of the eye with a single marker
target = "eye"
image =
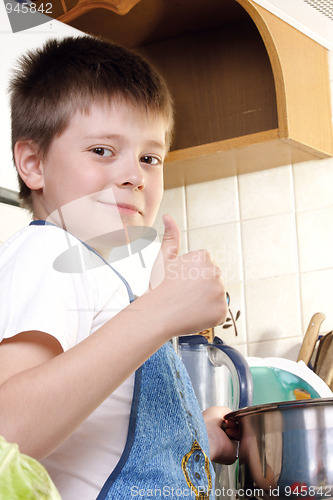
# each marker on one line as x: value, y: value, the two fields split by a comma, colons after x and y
x: 100, y: 151
x: 151, y: 160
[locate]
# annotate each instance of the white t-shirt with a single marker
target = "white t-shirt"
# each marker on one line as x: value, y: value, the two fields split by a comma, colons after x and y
x: 39, y: 293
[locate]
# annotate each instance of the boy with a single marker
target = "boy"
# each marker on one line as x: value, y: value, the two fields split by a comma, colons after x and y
x: 89, y: 382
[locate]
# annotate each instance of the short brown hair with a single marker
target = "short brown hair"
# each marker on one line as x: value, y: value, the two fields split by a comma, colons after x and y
x: 68, y: 75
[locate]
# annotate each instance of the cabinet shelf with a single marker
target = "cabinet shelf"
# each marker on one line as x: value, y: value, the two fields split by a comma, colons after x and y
x: 251, y: 92
x: 240, y: 155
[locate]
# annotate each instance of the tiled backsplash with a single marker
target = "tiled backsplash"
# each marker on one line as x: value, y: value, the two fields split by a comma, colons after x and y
x: 271, y: 232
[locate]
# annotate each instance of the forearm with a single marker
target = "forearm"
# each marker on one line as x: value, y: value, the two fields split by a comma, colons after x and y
x: 42, y: 406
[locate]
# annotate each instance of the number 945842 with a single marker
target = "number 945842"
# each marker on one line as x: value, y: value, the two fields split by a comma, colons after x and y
x: 29, y: 7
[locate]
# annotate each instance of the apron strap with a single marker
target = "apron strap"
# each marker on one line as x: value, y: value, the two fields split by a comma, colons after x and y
x: 131, y: 295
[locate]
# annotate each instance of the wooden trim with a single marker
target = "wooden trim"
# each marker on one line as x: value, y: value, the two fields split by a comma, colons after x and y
x: 301, y: 75
x: 120, y: 7
x: 237, y: 156
x: 227, y: 145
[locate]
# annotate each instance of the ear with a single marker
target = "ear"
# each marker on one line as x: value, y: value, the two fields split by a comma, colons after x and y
x: 28, y: 164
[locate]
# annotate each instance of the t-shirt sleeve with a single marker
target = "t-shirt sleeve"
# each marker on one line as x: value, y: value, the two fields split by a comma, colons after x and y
x: 35, y: 296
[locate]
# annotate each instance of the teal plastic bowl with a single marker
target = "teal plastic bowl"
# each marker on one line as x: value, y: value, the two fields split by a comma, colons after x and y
x: 272, y: 385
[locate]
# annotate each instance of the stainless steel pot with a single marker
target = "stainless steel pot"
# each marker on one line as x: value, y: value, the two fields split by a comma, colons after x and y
x: 286, y: 450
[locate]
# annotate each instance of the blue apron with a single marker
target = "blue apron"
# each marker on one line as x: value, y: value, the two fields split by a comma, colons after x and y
x: 166, y: 451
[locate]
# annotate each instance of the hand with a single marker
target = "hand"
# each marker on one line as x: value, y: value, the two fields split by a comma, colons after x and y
x: 222, y: 448
x: 193, y: 294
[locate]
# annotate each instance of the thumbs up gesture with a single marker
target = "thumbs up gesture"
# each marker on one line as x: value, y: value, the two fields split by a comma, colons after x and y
x: 190, y: 285
x: 168, y: 252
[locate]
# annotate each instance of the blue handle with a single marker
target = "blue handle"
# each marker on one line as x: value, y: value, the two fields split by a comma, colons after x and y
x: 243, y: 373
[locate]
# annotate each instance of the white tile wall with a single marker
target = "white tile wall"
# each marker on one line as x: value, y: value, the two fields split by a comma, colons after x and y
x: 273, y: 308
x: 272, y: 234
x: 269, y: 246
x: 266, y: 193
x: 315, y: 237
x: 203, y: 199
x: 316, y: 294
x: 313, y: 183
x: 282, y: 348
x: 224, y: 242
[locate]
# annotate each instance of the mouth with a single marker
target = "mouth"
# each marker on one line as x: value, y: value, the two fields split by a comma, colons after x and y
x: 123, y: 208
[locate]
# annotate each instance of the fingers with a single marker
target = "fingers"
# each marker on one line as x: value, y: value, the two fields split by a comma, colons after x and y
x: 222, y: 448
x: 230, y: 452
x: 231, y: 429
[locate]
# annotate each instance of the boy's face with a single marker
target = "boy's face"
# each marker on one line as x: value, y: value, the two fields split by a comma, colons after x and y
x: 103, y: 173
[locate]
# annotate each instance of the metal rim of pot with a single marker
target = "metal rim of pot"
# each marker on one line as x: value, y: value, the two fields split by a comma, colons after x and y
x: 251, y: 410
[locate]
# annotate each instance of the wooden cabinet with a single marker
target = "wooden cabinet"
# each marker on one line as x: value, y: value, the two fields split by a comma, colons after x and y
x: 251, y: 92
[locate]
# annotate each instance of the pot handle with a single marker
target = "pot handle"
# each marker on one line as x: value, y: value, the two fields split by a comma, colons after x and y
x: 243, y: 372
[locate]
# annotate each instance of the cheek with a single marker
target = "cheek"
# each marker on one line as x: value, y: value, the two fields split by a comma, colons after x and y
x: 154, y: 200
x: 159, y: 196
x: 156, y: 186
x: 67, y: 185
x: 79, y: 180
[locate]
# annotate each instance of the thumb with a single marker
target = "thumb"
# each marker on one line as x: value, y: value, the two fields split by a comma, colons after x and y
x: 169, y: 250
x: 171, y: 238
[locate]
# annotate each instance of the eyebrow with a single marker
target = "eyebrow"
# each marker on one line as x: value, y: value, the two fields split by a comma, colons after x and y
x: 156, y: 144
x: 100, y: 136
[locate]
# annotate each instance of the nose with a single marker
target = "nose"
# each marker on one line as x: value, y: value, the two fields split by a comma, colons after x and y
x: 131, y: 175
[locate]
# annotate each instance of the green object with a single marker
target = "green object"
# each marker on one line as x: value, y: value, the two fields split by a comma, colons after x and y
x: 23, y: 477
x: 272, y: 385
